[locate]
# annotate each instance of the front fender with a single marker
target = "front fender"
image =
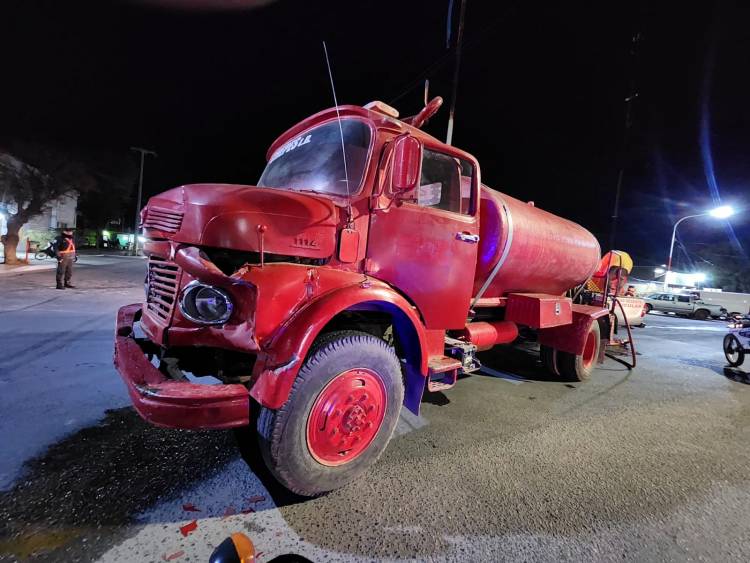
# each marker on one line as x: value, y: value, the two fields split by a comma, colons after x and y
x: 279, y: 362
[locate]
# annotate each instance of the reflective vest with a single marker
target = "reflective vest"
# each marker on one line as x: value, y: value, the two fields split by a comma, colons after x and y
x: 71, y: 247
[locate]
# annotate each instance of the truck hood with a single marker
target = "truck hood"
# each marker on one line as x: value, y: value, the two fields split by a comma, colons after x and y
x: 233, y: 216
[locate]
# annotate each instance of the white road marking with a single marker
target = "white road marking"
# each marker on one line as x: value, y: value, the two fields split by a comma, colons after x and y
x: 515, y: 380
x: 698, y: 328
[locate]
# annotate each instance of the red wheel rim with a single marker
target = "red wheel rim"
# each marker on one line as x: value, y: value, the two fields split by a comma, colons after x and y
x: 589, y: 350
x: 346, y: 416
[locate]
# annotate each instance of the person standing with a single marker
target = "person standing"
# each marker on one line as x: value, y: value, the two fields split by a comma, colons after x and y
x: 66, y: 256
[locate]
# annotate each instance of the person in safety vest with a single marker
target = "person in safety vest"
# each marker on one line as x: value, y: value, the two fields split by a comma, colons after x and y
x: 66, y: 256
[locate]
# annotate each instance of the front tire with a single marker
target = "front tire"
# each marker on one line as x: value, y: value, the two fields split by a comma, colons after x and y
x: 733, y: 351
x: 701, y: 314
x: 339, y: 417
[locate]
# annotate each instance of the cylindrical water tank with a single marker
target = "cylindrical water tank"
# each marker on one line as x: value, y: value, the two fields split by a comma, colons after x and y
x: 537, y: 252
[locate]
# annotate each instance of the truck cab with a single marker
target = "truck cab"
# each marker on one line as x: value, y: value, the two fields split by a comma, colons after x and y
x: 367, y: 265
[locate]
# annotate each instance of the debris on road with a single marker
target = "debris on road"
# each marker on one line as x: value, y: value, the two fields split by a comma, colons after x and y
x: 190, y: 507
x: 172, y: 556
x: 188, y: 528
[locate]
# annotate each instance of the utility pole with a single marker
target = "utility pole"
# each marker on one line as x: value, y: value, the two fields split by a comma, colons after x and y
x: 459, y: 38
x: 632, y: 95
x: 143, y: 152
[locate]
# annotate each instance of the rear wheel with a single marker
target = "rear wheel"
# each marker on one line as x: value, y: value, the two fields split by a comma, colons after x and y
x: 648, y: 308
x: 701, y: 314
x: 548, y: 356
x: 578, y: 367
x: 339, y: 416
x: 733, y: 350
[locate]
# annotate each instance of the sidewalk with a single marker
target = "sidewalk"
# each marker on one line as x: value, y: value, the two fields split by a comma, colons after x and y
x: 87, y: 257
x: 31, y: 267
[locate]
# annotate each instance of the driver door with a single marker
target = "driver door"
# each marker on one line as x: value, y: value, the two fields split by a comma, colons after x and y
x: 426, y: 246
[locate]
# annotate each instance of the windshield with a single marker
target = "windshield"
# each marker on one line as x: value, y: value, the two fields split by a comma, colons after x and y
x: 314, y: 160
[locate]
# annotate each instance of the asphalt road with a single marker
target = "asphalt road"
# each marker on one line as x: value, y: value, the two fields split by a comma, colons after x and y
x: 649, y: 464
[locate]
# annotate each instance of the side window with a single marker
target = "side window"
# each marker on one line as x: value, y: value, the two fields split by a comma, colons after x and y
x: 683, y: 298
x: 445, y: 183
x: 669, y: 298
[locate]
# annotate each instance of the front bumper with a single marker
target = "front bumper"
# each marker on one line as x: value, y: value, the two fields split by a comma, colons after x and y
x: 173, y: 404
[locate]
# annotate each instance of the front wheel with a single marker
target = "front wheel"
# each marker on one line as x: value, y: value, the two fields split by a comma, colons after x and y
x: 41, y: 256
x: 701, y: 314
x: 733, y: 350
x: 339, y: 416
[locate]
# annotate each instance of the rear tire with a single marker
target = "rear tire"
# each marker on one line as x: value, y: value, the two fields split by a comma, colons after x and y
x: 648, y: 308
x: 733, y: 351
x: 548, y: 356
x: 578, y: 367
x: 701, y: 314
x: 339, y: 417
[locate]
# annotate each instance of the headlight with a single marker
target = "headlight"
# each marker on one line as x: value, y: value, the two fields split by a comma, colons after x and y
x: 205, y: 304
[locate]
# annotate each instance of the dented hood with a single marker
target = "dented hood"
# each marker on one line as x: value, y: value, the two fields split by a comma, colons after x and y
x: 232, y: 216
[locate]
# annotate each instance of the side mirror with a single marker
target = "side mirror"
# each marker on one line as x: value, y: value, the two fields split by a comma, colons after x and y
x: 407, y: 161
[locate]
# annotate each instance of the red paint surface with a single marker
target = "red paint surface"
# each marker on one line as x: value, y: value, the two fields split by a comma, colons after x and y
x: 538, y: 310
x: 572, y: 338
x: 171, y: 403
x: 485, y: 335
x: 547, y: 254
x: 346, y: 417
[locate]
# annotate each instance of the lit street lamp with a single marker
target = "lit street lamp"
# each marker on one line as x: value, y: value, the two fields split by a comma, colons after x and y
x: 721, y: 212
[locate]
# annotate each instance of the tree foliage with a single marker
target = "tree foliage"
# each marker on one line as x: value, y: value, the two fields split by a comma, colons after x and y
x: 33, y: 176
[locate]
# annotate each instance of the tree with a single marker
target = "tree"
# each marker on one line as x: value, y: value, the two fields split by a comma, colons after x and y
x: 33, y: 176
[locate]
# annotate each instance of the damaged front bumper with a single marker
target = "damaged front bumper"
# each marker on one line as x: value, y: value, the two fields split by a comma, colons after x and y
x: 173, y: 404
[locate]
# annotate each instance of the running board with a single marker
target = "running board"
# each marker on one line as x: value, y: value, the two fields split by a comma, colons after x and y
x: 442, y: 373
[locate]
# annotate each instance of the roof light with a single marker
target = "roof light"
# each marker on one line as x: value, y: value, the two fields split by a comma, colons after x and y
x: 383, y: 108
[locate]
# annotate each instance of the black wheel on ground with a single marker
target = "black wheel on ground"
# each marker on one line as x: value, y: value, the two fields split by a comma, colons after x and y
x: 648, y: 307
x: 339, y: 416
x: 548, y: 356
x: 41, y: 256
x: 578, y: 367
x: 701, y: 314
x: 733, y: 351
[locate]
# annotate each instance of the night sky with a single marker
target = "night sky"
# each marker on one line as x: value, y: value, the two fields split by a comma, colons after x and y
x: 541, y: 100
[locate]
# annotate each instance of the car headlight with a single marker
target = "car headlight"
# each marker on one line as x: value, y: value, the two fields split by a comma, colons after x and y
x: 205, y: 304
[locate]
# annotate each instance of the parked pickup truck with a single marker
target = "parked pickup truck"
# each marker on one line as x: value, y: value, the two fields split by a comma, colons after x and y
x: 688, y: 305
x: 368, y: 265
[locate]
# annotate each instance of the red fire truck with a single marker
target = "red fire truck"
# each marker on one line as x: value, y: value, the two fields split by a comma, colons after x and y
x: 369, y: 264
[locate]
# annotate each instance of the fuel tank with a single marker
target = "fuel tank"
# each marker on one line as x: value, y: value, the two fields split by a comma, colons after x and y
x: 537, y: 252
x: 237, y: 217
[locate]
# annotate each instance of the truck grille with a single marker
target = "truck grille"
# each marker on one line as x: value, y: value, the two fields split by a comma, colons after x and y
x: 162, y: 219
x: 163, y: 284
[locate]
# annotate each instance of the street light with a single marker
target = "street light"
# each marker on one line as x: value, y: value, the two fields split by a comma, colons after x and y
x: 721, y: 212
x: 143, y: 152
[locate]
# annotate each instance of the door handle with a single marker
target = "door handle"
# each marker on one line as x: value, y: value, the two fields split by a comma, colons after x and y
x: 467, y: 237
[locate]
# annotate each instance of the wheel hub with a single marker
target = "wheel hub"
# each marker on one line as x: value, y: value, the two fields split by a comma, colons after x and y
x: 589, y: 350
x: 346, y: 416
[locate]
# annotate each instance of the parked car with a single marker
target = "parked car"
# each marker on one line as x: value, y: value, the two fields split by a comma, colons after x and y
x: 688, y: 305
x: 737, y: 341
x: 735, y: 303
